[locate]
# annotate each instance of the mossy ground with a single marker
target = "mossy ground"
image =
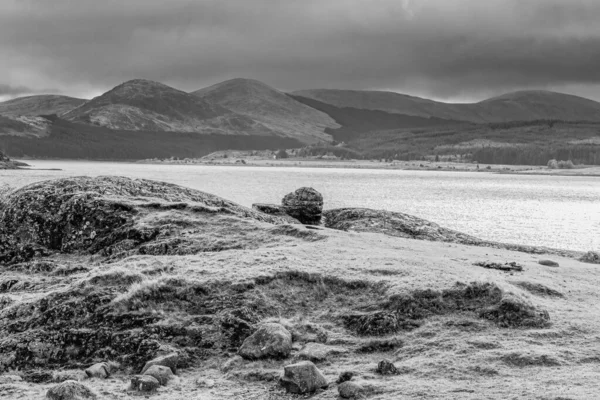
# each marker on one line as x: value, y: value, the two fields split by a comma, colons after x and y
x: 441, y: 338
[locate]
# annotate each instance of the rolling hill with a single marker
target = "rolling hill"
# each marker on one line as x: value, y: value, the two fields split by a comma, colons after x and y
x: 516, y: 106
x: 271, y: 107
x: 357, y: 121
x: 142, y: 105
x: 39, y: 105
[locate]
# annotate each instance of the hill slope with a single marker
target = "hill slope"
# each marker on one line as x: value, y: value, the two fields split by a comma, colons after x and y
x: 517, y: 106
x: 67, y: 140
x: 356, y: 121
x: 271, y: 107
x: 151, y: 106
x: 39, y: 105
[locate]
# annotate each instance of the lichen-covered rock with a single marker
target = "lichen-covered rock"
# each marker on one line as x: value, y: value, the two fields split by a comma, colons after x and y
x: 170, y: 360
x: 305, y: 205
x: 407, y: 226
x: 144, y: 383
x: 316, y: 352
x: 302, y: 377
x: 70, y: 390
x: 350, y: 390
x: 109, y: 215
x: 98, y: 370
x: 276, y: 210
x: 161, y: 373
x: 271, y: 340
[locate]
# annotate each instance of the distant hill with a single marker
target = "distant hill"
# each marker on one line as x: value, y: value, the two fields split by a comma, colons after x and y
x: 528, y: 143
x: 142, y: 105
x: 271, y: 107
x: 517, y: 106
x: 68, y: 140
x: 356, y: 121
x: 39, y: 105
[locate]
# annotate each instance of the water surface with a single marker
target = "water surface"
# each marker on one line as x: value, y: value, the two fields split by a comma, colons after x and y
x: 554, y: 211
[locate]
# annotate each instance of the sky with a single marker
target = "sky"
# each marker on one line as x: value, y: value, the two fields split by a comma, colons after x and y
x: 448, y: 50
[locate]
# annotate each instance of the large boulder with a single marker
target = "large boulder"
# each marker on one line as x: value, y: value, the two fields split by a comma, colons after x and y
x: 70, y: 390
x: 305, y: 205
x: 302, y: 377
x: 271, y: 340
x: 168, y: 360
x: 115, y: 215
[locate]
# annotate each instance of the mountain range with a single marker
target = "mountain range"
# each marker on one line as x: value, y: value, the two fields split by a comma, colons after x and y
x: 248, y: 108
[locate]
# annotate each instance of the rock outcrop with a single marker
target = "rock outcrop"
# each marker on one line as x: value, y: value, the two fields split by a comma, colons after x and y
x: 116, y: 216
x: 411, y: 227
x: 302, y: 377
x: 305, y: 205
x: 271, y: 340
x: 276, y: 210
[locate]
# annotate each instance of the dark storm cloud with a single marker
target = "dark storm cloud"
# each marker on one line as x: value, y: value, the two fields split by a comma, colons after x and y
x: 442, y: 48
x: 8, y: 90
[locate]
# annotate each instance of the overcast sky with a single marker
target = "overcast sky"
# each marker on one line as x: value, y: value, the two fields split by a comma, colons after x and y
x: 453, y: 50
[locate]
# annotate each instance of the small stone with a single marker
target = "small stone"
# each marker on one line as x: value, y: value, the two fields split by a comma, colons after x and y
x: 170, y: 360
x: 549, y: 263
x: 302, y: 377
x: 70, y: 390
x: 144, y: 383
x: 350, y: 390
x: 161, y: 373
x: 386, y: 367
x: 271, y: 340
x: 99, y: 370
x: 319, y: 352
x: 345, y: 376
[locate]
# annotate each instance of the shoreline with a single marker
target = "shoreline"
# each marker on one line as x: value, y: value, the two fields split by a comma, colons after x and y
x: 505, y: 169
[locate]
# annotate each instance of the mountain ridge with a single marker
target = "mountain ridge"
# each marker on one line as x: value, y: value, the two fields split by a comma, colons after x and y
x: 524, y: 105
x: 271, y: 107
x: 144, y: 105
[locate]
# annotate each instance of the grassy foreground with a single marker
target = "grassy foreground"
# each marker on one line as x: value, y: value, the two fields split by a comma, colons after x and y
x: 453, y: 329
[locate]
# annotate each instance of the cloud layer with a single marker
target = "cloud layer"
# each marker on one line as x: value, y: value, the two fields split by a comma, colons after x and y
x: 448, y: 49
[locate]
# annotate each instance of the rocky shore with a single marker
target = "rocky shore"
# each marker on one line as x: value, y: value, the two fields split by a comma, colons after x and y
x: 7, y: 163
x: 112, y: 287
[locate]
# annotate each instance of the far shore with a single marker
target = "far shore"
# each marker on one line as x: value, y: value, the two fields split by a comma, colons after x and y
x: 587, y: 171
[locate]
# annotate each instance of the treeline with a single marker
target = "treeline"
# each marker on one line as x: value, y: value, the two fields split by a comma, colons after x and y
x: 75, y: 141
x: 526, y: 143
x: 337, y: 151
x: 529, y: 155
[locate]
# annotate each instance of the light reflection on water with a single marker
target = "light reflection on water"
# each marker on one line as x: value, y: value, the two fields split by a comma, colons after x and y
x: 554, y: 211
